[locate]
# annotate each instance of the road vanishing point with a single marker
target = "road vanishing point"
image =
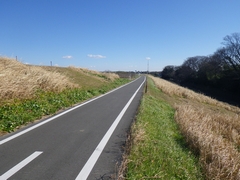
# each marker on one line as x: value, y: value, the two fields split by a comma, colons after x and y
x: 84, y: 142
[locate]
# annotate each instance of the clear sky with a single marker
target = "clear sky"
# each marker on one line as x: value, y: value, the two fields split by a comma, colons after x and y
x: 114, y: 34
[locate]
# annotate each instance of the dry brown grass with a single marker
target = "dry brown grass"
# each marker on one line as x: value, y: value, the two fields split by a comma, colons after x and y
x: 98, y: 75
x: 136, y: 136
x: 215, y: 138
x: 111, y: 76
x: 175, y: 90
x: 18, y: 80
x: 211, y: 128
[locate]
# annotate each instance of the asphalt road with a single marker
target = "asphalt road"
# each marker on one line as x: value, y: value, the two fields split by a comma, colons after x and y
x: 85, y: 142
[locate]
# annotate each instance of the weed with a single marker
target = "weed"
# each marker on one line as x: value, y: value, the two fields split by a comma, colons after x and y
x: 14, y: 115
x: 210, y: 128
x: 28, y: 92
x: 18, y: 80
x: 158, y: 150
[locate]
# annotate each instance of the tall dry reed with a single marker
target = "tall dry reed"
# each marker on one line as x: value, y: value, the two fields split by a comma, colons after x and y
x: 19, y: 80
x: 176, y: 90
x: 212, y: 134
x: 99, y: 75
x: 214, y: 138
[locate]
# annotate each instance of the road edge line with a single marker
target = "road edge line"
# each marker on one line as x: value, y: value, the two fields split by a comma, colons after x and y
x: 87, y: 168
x: 58, y: 115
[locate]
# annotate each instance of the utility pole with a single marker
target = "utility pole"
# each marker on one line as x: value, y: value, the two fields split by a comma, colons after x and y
x: 148, y: 67
x: 148, y: 59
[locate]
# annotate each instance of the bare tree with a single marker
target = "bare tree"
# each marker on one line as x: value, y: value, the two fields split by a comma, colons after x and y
x: 194, y: 62
x: 169, y: 72
x: 231, y: 52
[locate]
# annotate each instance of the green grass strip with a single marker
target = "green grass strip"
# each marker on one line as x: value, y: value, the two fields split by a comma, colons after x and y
x: 158, y: 150
x: 21, y: 112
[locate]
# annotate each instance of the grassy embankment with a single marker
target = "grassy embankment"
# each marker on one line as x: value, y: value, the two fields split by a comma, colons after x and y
x: 180, y: 134
x: 29, y: 92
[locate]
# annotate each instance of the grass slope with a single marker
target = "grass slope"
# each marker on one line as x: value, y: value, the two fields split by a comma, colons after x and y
x: 32, y: 92
x: 84, y: 78
x: 211, y: 129
x: 179, y: 132
x: 158, y: 150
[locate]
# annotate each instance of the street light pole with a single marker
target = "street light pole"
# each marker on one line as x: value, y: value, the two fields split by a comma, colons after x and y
x: 148, y: 59
x: 148, y: 67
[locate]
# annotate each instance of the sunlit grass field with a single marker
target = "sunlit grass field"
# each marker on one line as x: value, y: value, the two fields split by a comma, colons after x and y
x: 19, y: 80
x: 180, y: 134
x: 28, y: 93
x: 211, y: 129
x: 157, y: 148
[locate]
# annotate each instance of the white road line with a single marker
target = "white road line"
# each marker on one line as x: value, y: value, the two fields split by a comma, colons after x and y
x: 54, y: 117
x: 84, y: 173
x: 20, y: 165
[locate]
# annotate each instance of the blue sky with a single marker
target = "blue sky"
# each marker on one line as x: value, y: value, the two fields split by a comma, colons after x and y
x: 114, y: 34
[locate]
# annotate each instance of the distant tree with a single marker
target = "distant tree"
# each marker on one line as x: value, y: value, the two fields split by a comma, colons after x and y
x: 169, y: 72
x: 220, y: 70
x: 193, y: 62
x: 231, y: 52
x: 210, y: 70
x: 187, y: 72
x: 183, y: 74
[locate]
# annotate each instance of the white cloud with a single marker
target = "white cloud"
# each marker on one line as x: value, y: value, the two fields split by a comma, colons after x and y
x: 67, y: 57
x: 96, y: 56
x: 148, y: 58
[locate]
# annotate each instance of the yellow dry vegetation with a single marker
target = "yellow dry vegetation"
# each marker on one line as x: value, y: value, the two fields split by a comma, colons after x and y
x: 98, y: 75
x: 211, y: 129
x: 19, y: 80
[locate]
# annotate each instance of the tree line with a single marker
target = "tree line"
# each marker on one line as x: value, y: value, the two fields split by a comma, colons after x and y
x: 221, y: 70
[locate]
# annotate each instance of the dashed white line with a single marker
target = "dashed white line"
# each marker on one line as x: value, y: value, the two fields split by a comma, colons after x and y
x: 20, y: 165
